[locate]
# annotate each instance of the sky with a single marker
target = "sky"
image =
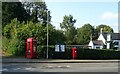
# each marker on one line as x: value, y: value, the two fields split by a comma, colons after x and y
x: 92, y: 12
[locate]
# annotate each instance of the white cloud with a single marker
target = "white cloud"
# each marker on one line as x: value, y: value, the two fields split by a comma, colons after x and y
x: 109, y: 16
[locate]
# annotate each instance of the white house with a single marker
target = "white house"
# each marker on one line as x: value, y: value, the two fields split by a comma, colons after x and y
x: 106, y: 40
x: 96, y: 44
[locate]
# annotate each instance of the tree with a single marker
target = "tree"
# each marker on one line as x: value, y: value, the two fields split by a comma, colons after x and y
x: 17, y: 33
x: 105, y: 28
x: 11, y: 10
x: 69, y: 30
x: 38, y: 12
x: 27, y: 11
x: 10, y: 29
x: 84, y: 33
x: 56, y: 36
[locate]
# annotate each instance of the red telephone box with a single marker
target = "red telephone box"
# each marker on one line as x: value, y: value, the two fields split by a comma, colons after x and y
x: 31, y: 47
x: 74, y: 53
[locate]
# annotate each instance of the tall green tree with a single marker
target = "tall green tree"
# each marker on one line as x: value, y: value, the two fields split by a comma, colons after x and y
x: 11, y: 10
x: 105, y: 28
x: 84, y: 33
x: 56, y: 36
x: 69, y: 30
x: 38, y: 12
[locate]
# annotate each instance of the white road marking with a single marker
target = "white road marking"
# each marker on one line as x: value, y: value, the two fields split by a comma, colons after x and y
x: 4, y: 69
x: 16, y: 68
x: 29, y: 68
x: 49, y: 67
x: 59, y: 66
x: 68, y: 66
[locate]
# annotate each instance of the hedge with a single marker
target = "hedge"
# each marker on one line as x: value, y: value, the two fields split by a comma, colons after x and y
x: 86, y: 54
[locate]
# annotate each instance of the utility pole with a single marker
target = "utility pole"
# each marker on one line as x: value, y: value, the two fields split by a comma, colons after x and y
x: 47, y: 33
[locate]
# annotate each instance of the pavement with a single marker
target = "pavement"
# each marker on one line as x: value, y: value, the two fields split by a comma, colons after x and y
x: 25, y: 60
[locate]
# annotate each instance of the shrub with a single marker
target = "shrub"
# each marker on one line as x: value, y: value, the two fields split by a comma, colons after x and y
x: 89, y: 54
x: 17, y: 47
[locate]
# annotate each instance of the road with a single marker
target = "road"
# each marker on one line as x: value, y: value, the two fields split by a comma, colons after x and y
x: 60, y: 67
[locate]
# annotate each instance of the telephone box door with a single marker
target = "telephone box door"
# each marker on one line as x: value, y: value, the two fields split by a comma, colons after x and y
x: 31, y: 47
x: 34, y: 48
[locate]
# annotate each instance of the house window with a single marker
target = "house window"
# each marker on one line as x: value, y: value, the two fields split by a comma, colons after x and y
x: 116, y: 43
x: 97, y: 47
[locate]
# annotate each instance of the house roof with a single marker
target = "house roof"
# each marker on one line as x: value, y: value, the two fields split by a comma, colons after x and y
x: 114, y: 36
x: 105, y: 35
x: 98, y: 42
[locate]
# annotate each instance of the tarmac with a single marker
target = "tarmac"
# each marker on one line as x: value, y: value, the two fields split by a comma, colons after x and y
x: 26, y: 60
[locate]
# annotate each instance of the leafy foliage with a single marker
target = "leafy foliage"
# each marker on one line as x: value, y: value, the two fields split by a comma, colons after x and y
x: 5, y: 43
x: 94, y: 54
x: 106, y: 28
x: 10, y: 29
x: 68, y: 26
x: 27, y: 11
x: 38, y: 12
x: 56, y: 36
x: 29, y: 19
x: 84, y: 33
x: 11, y: 10
x: 18, y: 33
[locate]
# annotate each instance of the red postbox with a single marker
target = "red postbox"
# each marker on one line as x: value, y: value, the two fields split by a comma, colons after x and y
x: 74, y: 53
x: 31, y: 47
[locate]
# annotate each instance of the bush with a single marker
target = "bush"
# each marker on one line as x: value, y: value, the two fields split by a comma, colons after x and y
x: 41, y: 51
x: 89, y: 54
x: 17, y: 33
x: 5, y: 43
x: 17, y: 47
x: 97, y: 54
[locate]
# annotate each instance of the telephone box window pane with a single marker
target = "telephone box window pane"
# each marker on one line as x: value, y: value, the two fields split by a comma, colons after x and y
x: 28, y: 45
x: 34, y: 46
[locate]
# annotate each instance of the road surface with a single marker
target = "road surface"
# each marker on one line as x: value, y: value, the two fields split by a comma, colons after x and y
x: 60, y: 67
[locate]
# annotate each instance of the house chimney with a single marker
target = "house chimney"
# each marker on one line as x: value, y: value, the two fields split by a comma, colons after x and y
x: 108, y: 40
x: 101, y: 30
x: 108, y: 37
x: 91, y: 37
